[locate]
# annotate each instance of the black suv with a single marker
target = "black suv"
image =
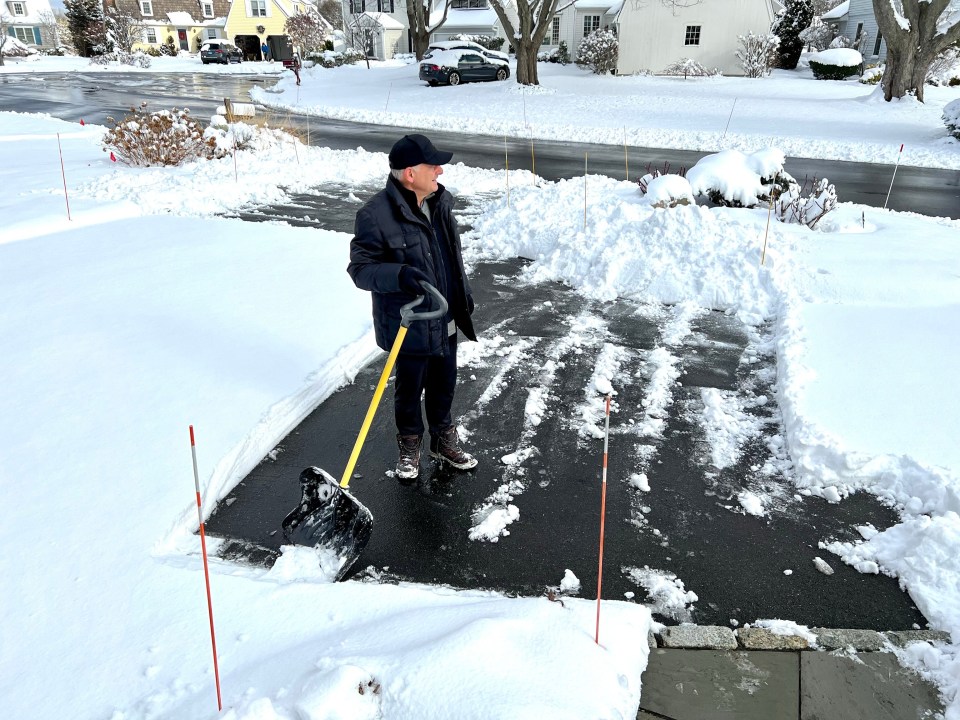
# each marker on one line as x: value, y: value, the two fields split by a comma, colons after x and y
x: 220, y: 51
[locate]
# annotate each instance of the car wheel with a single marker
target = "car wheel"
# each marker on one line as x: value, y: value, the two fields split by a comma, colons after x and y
x: 454, y: 78
x: 502, y: 74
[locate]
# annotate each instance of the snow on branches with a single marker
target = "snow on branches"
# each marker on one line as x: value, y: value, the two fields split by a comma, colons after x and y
x: 757, y: 54
x: 599, y: 51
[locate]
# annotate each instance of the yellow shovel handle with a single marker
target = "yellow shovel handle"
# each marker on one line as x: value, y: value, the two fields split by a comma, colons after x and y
x: 372, y: 410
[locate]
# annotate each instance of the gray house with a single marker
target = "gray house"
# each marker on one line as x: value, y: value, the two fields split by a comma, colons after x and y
x: 854, y: 19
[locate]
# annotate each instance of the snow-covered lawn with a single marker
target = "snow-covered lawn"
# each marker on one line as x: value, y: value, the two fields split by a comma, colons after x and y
x: 803, y: 117
x: 144, y: 314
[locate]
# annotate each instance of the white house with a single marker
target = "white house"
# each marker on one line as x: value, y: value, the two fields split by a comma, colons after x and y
x: 577, y: 20
x: 654, y: 34
x: 466, y: 17
x: 392, y: 34
x: 24, y: 20
x: 854, y: 19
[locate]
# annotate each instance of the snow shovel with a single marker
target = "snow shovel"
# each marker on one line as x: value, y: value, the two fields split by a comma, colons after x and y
x: 328, y: 516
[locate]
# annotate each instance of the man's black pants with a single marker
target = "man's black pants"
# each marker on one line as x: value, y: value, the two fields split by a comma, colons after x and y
x: 433, y: 377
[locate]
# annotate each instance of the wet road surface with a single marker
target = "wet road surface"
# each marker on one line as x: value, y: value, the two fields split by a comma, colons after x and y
x: 95, y: 96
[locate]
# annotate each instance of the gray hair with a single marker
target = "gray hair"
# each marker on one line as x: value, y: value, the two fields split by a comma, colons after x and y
x: 397, y: 173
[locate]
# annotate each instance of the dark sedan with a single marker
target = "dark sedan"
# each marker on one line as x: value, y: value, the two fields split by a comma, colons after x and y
x: 452, y: 67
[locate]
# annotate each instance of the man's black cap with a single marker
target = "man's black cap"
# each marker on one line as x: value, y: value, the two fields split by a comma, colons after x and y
x: 413, y: 150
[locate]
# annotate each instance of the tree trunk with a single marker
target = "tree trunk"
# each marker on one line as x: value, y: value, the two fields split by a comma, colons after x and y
x: 911, y: 50
x: 526, y: 64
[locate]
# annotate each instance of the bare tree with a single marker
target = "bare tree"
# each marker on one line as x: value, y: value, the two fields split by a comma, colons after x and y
x: 674, y: 5
x: 125, y: 25
x: 916, y: 31
x: 533, y: 22
x: 363, y: 30
x: 4, y: 33
x: 418, y: 19
x: 49, y: 32
x: 331, y: 11
x: 64, y: 38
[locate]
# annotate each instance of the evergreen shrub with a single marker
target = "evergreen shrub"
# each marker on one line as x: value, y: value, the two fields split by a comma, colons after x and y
x: 824, y: 71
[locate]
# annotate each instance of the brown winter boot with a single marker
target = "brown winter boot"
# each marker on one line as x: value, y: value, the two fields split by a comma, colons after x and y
x: 445, y: 447
x: 408, y: 466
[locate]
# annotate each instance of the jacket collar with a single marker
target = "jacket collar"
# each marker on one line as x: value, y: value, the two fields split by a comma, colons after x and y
x: 407, y: 199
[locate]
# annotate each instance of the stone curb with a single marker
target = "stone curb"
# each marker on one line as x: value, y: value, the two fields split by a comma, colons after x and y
x: 718, y: 637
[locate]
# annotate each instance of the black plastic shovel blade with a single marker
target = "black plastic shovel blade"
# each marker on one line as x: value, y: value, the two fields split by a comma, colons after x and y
x: 329, y: 517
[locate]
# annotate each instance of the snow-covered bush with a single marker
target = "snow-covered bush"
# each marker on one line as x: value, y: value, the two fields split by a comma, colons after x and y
x: 559, y: 54
x: 490, y: 42
x: 791, y: 206
x: 164, y: 137
x: 668, y: 191
x: 14, y: 48
x: 168, y: 48
x: 599, y: 51
x: 653, y: 172
x: 872, y: 74
x: 331, y: 58
x: 951, y: 117
x: 945, y: 69
x: 757, y: 54
x: 688, y: 68
x: 734, y: 179
x: 135, y: 59
x: 819, y: 35
x: 836, y: 64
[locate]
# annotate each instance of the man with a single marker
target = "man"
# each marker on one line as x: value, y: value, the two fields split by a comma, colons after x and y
x: 404, y: 235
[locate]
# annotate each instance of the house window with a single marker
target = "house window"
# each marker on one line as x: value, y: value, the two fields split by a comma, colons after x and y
x: 151, y: 35
x: 258, y: 8
x: 692, y: 36
x: 553, y: 37
x: 876, y: 45
x: 146, y: 7
x: 18, y: 8
x: 211, y: 34
x: 385, y: 6
x: 590, y: 23
x: 208, y: 10
x: 856, y: 38
x: 356, y: 7
x: 24, y: 35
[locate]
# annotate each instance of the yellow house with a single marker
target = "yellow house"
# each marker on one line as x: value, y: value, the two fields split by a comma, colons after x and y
x: 251, y: 23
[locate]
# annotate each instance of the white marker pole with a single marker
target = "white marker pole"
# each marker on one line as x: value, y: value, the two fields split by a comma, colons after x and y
x: 894, y: 176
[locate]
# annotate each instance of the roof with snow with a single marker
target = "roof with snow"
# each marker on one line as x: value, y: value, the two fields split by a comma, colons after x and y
x: 838, y: 12
x: 383, y: 20
x: 178, y: 17
x: 479, y: 18
x: 605, y: 5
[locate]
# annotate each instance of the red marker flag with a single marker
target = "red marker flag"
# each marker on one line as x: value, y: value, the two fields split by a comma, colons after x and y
x: 82, y: 122
x: 113, y: 158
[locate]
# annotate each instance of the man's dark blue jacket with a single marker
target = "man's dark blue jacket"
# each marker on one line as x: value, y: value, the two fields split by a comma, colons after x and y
x: 390, y: 233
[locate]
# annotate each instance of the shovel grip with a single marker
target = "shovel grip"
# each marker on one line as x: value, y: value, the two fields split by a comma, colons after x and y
x: 408, y: 316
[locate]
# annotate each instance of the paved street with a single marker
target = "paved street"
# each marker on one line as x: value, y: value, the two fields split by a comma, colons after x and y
x: 95, y: 96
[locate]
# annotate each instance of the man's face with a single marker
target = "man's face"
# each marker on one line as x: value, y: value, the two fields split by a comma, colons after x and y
x: 424, y: 179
